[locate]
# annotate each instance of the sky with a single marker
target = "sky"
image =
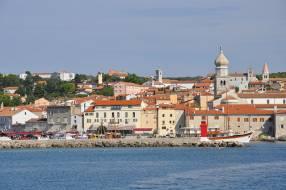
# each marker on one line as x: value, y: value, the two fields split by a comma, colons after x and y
x: 181, y: 37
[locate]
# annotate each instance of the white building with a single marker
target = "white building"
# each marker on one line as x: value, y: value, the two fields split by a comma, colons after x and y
x: 66, y: 76
x: 43, y: 75
x: 264, y: 98
x: 12, y: 116
x: 23, y: 76
x: 114, y: 114
x: 10, y: 90
x: 170, y: 119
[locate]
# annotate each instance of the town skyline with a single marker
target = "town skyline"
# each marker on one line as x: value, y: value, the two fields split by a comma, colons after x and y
x: 140, y: 37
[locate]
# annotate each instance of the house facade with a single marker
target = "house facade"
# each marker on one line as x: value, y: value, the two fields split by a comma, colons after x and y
x: 114, y: 114
x: 12, y: 116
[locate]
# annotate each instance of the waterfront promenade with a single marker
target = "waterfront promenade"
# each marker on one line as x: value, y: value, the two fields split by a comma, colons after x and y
x: 101, y: 143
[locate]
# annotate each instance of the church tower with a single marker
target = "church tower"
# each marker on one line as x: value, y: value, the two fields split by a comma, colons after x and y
x: 159, y: 75
x: 221, y: 74
x: 265, y: 73
x: 221, y: 63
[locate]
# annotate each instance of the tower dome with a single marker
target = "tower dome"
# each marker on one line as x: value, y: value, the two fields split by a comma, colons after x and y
x: 221, y: 60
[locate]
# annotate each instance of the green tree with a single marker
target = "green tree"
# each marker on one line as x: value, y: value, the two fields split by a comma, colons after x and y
x: 5, y: 99
x: 67, y: 89
x: 106, y: 91
x: 79, y: 78
x: 39, y: 91
x: 9, y: 80
x: 16, y: 101
x: 135, y: 79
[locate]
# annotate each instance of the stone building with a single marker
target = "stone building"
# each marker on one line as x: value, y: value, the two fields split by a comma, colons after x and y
x: 60, y: 117
x: 237, y: 118
x: 280, y: 123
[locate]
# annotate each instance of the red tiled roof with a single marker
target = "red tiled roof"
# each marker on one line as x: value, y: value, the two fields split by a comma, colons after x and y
x: 243, y: 109
x: 117, y: 102
x: 263, y: 95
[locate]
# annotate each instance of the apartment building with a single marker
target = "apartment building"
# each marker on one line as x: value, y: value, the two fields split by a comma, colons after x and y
x: 127, y: 88
x: 122, y: 115
x: 170, y: 119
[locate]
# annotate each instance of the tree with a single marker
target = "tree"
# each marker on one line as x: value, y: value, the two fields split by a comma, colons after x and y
x: 67, y: 89
x: 7, y: 101
x: 16, y: 101
x: 9, y: 80
x: 29, y: 84
x: 79, y: 78
x: 39, y: 91
x: 135, y: 79
x: 106, y: 91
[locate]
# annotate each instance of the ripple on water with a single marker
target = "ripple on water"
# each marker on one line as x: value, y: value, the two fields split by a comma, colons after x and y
x: 236, y: 177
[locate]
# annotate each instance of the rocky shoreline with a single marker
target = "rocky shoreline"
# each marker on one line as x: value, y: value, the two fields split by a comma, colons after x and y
x: 106, y: 143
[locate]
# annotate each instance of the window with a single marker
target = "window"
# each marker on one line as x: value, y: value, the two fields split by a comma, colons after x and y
x: 238, y: 126
x: 163, y: 122
x: 191, y: 117
x: 104, y: 114
x: 284, y: 101
x: 246, y: 120
x: 261, y: 119
x: 88, y: 120
x: 252, y: 101
x: 163, y: 115
x: 203, y: 117
x: 282, y: 126
x: 118, y: 114
x: 171, y: 115
x: 133, y: 114
x: 238, y: 119
x: 112, y: 114
x: 97, y: 115
x: 268, y: 101
x: 170, y: 122
x: 216, y: 117
x: 254, y: 119
x: 126, y: 114
x: 163, y: 127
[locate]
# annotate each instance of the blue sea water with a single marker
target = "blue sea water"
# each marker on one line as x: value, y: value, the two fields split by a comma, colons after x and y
x: 258, y: 166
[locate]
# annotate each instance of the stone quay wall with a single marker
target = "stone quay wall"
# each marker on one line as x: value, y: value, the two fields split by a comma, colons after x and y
x: 105, y: 143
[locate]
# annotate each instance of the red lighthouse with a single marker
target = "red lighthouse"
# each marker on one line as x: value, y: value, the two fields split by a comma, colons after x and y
x: 204, y: 131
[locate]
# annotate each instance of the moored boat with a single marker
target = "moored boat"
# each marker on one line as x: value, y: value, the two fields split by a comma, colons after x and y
x: 223, y: 136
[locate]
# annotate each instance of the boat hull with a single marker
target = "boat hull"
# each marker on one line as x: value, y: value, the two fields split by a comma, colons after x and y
x: 243, y: 138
